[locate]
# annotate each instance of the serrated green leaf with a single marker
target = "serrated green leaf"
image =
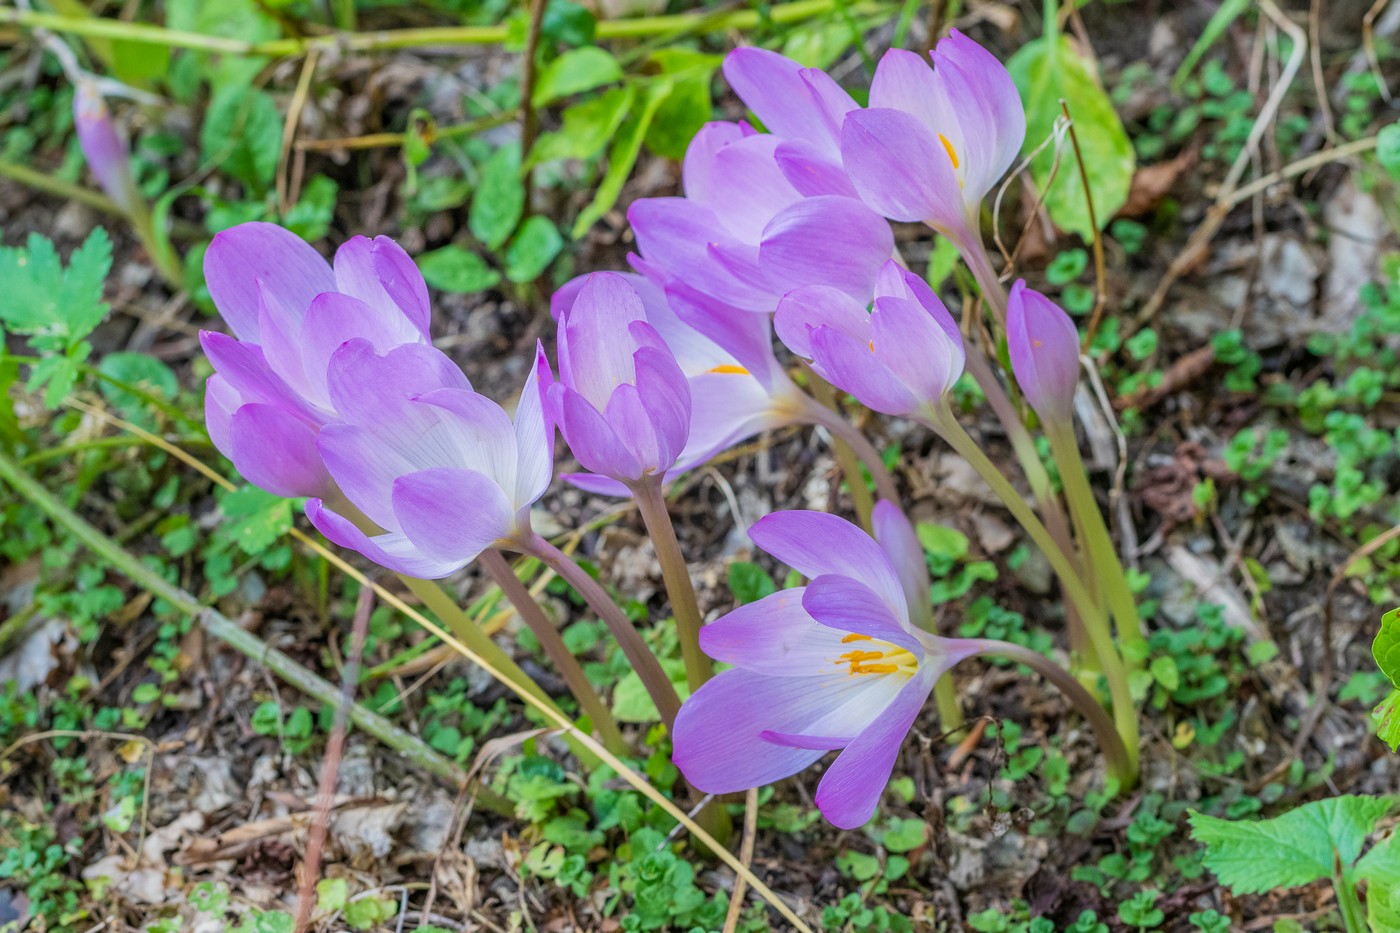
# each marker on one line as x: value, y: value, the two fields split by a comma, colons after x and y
x: 1302, y: 846
x: 454, y: 269
x: 242, y: 132
x: 574, y: 72
x: 1386, y: 646
x: 1046, y: 71
x: 256, y: 518
x: 139, y: 371
x: 499, y: 199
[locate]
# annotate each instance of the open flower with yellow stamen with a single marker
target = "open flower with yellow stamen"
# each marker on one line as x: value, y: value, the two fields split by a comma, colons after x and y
x: 841, y: 663
x: 935, y: 141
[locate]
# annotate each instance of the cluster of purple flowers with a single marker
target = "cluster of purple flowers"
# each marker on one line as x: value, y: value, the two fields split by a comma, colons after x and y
x: 331, y: 389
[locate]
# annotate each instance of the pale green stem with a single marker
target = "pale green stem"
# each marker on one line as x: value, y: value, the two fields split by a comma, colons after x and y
x: 1096, y: 626
x: 1103, y: 555
x: 643, y: 661
x: 1121, y: 763
x: 1349, y: 905
x: 392, y: 39
x: 564, y: 661
x: 679, y: 588
x: 822, y: 411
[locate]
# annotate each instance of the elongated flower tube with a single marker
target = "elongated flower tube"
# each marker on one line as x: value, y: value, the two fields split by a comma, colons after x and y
x: 104, y: 147
x: 289, y: 312
x: 621, y: 402
x: 442, y: 470
x: 737, y: 386
x: 745, y: 233
x: 900, y: 358
x: 1044, y: 347
x: 935, y: 141
x: 836, y: 664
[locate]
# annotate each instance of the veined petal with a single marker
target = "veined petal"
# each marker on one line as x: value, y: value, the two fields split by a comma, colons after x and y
x: 826, y: 240
x: 684, y: 237
x: 741, y: 338
x: 916, y: 349
x: 241, y: 257
x: 747, y: 188
x: 789, y: 100
x: 594, y: 443
x: 1043, y: 344
x: 816, y: 543
x: 634, y: 429
x: 699, y: 162
x: 718, y: 743
x: 221, y: 400
x: 991, y: 116
x: 901, y: 545
x: 854, y: 368
x: 372, y: 388
x: 275, y: 450
x: 847, y: 605
x: 364, y: 466
x: 900, y: 168
x: 452, y: 515
x: 665, y: 395
x: 379, y: 273
x: 774, y: 636
x: 392, y: 550
x: 281, y: 344
x: 246, y: 372
x: 593, y: 360
x: 850, y: 790
x: 811, y: 170
x: 334, y: 319
x: 534, y: 435
x: 905, y: 81
x: 727, y: 408
x: 477, y: 432
x: 803, y: 310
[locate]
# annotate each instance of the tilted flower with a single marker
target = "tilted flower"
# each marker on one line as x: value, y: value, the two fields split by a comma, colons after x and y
x: 443, y: 471
x: 737, y: 386
x: 837, y: 664
x: 765, y: 213
x: 899, y: 358
x: 289, y: 312
x: 935, y: 141
x: 104, y: 147
x: 1043, y: 344
x: 621, y: 402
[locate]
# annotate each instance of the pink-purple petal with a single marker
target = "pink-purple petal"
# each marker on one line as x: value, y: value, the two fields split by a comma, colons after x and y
x: 896, y: 536
x: 845, y: 604
x: 275, y: 450
x: 452, y: 515
x: 1043, y: 344
x: 392, y: 550
x: 826, y: 240
x: 816, y: 543
x: 853, y: 367
x: 850, y: 790
x: 243, y: 257
x: 900, y: 168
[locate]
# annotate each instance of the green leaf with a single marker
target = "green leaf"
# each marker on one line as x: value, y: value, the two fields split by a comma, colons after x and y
x: 688, y: 107
x: 1386, y: 646
x: 454, y: 269
x: 242, y: 132
x: 1381, y: 865
x: 1388, y: 148
x: 623, y: 155
x: 310, y: 217
x: 331, y: 894
x: 574, y: 72
x: 500, y: 198
x: 587, y: 127
x: 1387, y: 721
x: 140, y: 371
x: 533, y: 249
x: 905, y: 835
x: 1226, y: 14
x: 749, y: 582
x: 256, y: 518
x: 1382, y: 908
x: 1302, y: 845
x: 1047, y: 70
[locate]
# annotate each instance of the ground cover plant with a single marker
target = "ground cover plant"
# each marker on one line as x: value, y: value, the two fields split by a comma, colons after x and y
x: 975, y: 504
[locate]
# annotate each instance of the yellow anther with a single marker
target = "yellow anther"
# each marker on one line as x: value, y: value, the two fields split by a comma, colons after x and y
x: 854, y: 636
x: 872, y: 346
x: 952, y: 153
x: 875, y: 669
x: 728, y: 368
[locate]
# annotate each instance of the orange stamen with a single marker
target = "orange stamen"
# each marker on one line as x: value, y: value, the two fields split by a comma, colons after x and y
x: 728, y: 368
x: 952, y: 153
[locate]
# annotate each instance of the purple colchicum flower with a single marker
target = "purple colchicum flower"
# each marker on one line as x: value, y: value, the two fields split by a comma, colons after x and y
x: 621, y: 402
x: 1043, y: 344
x: 900, y: 358
x: 837, y: 664
x: 737, y: 386
x: 289, y: 312
x: 442, y: 470
x: 763, y: 214
x: 104, y: 147
x: 935, y: 141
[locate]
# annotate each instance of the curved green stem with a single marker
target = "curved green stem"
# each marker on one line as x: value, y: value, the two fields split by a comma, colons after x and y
x: 1122, y: 763
x: 942, y: 421
x: 1103, y: 554
x: 643, y: 661
x: 564, y: 661
x: 679, y: 588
